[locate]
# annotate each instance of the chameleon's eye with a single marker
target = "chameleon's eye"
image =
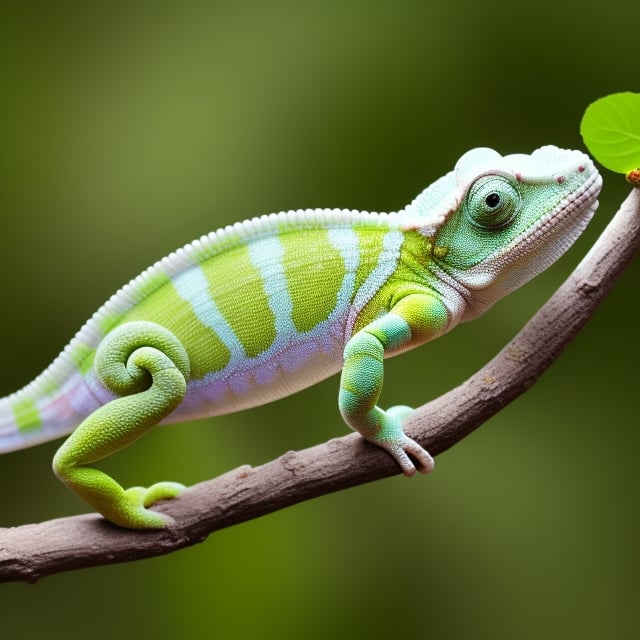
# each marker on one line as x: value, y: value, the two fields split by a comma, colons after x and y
x: 492, y: 202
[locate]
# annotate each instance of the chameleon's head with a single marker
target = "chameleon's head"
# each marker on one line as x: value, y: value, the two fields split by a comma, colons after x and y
x: 496, y: 222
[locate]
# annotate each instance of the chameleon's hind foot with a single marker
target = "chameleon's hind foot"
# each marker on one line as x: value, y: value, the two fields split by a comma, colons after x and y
x: 133, y: 511
x: 149, y: 367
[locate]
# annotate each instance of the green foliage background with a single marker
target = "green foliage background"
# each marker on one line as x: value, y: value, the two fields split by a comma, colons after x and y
x: 128, y: 129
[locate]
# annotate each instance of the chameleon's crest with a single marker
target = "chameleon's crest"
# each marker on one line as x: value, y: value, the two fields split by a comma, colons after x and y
x: 435, y: 205
x: 438, y: 201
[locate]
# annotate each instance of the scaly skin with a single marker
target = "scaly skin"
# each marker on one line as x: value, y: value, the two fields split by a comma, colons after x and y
x: 264, y: 308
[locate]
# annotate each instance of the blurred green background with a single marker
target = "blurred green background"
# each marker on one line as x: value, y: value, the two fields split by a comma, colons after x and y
x: 128, y: 129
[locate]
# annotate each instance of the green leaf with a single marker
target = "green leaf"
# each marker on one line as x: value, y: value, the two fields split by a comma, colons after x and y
x: 610, y: 129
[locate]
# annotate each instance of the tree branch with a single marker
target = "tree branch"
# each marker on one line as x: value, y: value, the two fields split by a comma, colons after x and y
x: 32, y: 551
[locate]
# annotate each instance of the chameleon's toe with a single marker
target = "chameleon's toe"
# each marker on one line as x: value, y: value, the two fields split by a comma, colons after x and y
x: 162, y: 491
x: 401, y: 448
x: 133, y: 512
x: 423, y: 459
x: 407, y: 453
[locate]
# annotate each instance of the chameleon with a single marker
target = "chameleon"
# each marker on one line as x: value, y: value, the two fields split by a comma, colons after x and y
x: 263, y: 308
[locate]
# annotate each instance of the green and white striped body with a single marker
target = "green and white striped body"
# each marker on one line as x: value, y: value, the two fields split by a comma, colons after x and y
x: 266, y: 307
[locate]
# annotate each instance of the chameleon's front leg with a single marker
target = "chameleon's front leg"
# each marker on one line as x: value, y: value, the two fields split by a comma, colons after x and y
x: 147, y: 365
x: 416, y: 317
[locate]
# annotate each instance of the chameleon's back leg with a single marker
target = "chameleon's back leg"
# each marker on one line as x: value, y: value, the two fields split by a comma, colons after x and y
x: 149, y: 367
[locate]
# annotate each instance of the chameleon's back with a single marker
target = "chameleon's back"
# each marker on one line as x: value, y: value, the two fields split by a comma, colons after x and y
x: 263, y: 308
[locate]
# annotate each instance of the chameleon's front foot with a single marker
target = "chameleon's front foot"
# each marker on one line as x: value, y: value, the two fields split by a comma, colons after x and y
x: 363, y: 371
x: 384, y: 429
x: 391, y: 437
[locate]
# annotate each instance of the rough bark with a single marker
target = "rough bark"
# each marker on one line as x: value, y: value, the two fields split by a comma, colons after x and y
x: 32, y: 551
